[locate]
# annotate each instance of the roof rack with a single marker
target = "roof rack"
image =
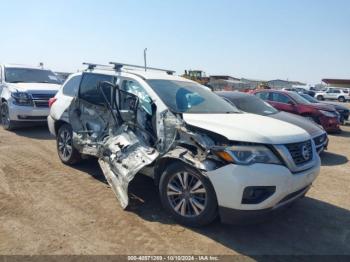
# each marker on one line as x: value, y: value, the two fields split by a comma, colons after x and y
x: 119, y: 66
x: 92, y: 66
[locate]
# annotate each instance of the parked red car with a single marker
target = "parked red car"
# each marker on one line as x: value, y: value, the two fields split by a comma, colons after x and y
x: 323, y: 114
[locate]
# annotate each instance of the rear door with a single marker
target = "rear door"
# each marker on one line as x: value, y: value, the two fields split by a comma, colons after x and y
x: 88, y: 113
x: 332, y: 93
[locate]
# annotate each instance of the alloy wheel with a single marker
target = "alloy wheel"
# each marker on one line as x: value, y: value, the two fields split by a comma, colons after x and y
x: 187, y: 194
x: 65, y: 147
x: 5, y: 117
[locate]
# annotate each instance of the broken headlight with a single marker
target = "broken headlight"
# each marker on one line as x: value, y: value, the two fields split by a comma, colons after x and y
x: 248, y: 155
x: 22, y: 99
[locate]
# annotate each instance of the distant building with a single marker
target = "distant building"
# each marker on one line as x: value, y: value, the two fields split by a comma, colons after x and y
x: 226, y: 83
x: 341, y: 83
x: 253, y: 83
x: 279, y: 84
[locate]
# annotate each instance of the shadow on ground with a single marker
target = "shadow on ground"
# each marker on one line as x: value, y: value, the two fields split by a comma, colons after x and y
x: 36, y: 132
x: 332, y: 159
x: 343, y: 133
x: 309, y: 227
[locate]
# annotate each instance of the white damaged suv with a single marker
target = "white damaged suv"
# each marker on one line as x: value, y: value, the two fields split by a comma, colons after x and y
x: 24, y: 94
x: 207, y: 158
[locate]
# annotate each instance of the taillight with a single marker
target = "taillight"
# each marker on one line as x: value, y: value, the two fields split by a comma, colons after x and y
x: 51, y: 101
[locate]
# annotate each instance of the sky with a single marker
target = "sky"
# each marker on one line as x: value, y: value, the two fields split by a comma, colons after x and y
x: 304, y: 40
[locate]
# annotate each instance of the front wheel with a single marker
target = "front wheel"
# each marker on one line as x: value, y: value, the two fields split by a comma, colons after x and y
x: 320, y: 98
x: 6, y: 122
x: 187, y: 195
x: 65, y: 148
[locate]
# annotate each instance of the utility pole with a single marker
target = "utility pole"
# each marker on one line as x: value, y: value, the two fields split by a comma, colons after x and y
x: 145, y: 58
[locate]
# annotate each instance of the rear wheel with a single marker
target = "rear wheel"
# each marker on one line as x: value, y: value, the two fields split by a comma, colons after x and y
x: 65, y: 148
x: 6, y: 122
x: 187, y: 195
x: 341, y: 99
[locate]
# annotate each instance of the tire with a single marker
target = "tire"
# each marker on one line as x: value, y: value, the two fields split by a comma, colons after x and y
x: 320, y: 98
x: 65, y: 148
x: 7, y: 124
x: 188, y: 208
x: 341, y: 99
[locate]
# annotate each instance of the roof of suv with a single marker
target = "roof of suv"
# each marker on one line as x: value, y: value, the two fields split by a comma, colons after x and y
x: 147, y: 75
x: 22, y: 66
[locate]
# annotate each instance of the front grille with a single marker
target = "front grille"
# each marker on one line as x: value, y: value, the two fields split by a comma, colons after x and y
x: 301, y: 152
x: 42, y: 100
x: 320, y: 140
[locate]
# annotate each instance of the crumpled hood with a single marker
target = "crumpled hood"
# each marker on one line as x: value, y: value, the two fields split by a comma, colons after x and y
x: 246, y: 127
x: 311, y: 127
x: 35, y: 87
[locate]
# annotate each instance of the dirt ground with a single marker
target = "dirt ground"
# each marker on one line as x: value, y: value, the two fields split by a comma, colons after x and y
x: 49, y: 208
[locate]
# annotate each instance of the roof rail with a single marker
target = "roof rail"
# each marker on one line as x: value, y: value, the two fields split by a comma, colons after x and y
x: 92, y: 66
x: 119, y: 66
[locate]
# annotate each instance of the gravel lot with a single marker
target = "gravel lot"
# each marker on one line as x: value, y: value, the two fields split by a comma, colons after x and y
x: 49, y: 208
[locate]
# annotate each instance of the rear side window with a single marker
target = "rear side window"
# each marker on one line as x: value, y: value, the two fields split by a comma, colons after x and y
x: 280, y: 98
x: 263, y: 95
x: 89, y: 88
x: 72, y: 86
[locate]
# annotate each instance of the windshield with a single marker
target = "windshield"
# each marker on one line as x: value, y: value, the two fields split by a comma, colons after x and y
x: 26, y: 75
x: 187, y: 97
x: 310, y: 98
x: 253, y: 104
x: 298, y: 98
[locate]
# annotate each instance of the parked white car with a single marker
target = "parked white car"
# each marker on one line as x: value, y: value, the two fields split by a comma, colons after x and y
x: 206, y: 157
x: 24, y: 94
x: 332, y: 93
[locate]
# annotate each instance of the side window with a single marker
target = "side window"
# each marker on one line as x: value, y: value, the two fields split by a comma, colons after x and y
x: 135, y: 88
x: 280, y: 98
x: 89, y: 88
x: 72, y: 86
x: 336, y: 91
x: 263, y: 95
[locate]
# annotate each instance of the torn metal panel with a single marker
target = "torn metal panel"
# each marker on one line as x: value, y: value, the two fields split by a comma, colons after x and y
x: 122, y: 157
x: 167, y: 133
x: 189, y: 158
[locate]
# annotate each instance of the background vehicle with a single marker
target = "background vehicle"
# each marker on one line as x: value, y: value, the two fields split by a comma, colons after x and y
x: 24, y: 93
x: 197, y: 76
x: 343, y: 111
x: 332, y: 94
x: 300, y: 90
x: 206, y: 157
x: 322, y: 114
x: 252, y: 104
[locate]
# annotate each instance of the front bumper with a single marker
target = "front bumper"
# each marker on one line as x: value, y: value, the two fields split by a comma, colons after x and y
x: 321, y: 142
x: 330, y: 124
x: 234, y: 216
x: 230, y: 181
x: 27, y: 113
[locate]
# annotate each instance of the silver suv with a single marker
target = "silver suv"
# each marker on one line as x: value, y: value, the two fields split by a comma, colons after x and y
x: 24, y: 94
